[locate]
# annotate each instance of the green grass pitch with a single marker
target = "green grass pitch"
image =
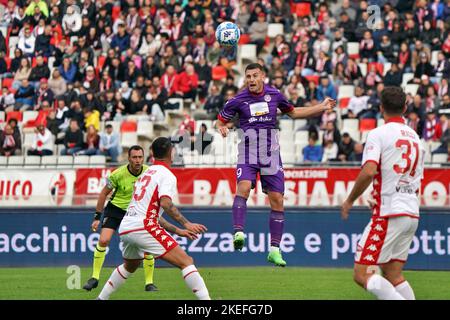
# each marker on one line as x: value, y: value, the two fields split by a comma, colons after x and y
x: 289, y: 283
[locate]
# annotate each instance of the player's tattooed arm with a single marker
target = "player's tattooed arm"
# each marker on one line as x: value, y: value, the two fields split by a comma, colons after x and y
x: 174, y: 213
x: 173, y: 229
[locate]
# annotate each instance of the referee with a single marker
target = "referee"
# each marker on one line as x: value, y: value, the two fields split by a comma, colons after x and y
x: 122, y: 182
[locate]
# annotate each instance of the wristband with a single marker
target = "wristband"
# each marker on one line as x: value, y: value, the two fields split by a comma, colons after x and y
x: 97, y: 215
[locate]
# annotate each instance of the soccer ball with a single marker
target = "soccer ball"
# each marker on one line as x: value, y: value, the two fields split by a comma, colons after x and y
x: 228, y: 34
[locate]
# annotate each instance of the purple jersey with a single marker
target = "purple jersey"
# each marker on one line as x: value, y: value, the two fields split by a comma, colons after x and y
x: 257, y: 118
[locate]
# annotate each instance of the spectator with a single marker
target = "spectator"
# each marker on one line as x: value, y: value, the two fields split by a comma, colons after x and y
x: 7, y: 100
x: 121, y: 41
x: 9, y: 144
x: 24, y: 96
x: 394, y: 77
x: 41, y: 4
x: 23, y: 72
x: 442, y: 68
x: 187, y: 83
x: 71, y: 22
x: 313, y: 152
x: 357, y: 154
x: 258, y: 32
x: 68, y: 70
x: 40, y: 71
x: 109, y: 144
x: 43, y: 142
x: 358, y: 105
x: 43, y: 44
x: 325, y: 89
x: 423, y: 68
x: 203, y: 140
x: 73, y: 140
x: 373, y: 77
x: 331, y: 134
x: 44, y: 94
x: 92, y: 142
x: 330, y: 151
x: 214, y: 103
x: 169, y: 79
x: 346, y: 148
x: 415, y: 123
x: 367, y: 48
x: 432, y: 128
x: 27, y: 42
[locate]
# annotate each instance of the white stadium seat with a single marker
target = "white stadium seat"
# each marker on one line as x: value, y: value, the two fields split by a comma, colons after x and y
x: 3, y: 161
x: 2, y: 116
x: 145, y: 129
x: 301, y: 137
x: 440, y: 158
x: 412, y: 89
x: 33, y: 161
x: 97, y: 161
x: 350, y: 125
x: 81, y: 161
x: 346, y: 91
x: 286, y: 125
x: 300, y: 124
x: 275, y: 29
x: 49, y: 161
x: 129, y: 139
x: 65, y: 161
x: 29, y: 115
x: 352, y: 48
x: 406, y: 77
x: 15, y: 161
x: 386, y: 68
x: 248, y: 52
x: 363, y: 68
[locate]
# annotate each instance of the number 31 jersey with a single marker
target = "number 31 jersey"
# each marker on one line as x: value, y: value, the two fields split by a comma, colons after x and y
x: 144, y: 209
x: 399, y: 155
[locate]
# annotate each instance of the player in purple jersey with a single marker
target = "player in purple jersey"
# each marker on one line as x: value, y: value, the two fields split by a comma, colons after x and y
x: 259, y: 151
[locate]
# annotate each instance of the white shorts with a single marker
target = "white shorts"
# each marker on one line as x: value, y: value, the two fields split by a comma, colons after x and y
x: 155, y: 241
x: 385, y: 240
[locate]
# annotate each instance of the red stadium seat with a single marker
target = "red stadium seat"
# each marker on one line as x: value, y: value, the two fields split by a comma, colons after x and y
x: 367, y: 124
x: 101, y: 62
x: 128, y: 126
x: 14, y: 115
x: 244, y: 39
x: 33, y: 62
x: 303, y: 9
x: 8, y: 63
x: 343, y: 103
x: 115, y: 12
x: 7, y: 82
x: 378, y: 66
x: 267, y: 43
x: 313, y: 78
x: 219, y: 73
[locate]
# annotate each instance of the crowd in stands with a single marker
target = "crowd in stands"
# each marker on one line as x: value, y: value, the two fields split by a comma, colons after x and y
x: 83, y: 63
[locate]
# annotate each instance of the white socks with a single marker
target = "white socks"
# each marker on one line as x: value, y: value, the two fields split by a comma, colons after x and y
x: 382, y: 288
x: 405, y: 290
x: 116, y: 279
x: 195, y: 282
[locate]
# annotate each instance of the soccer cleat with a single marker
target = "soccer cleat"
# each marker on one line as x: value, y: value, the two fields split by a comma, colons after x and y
x: 239, y: 240
x: 92, y: 283
x: 151, y: 287
x: 276, y: 258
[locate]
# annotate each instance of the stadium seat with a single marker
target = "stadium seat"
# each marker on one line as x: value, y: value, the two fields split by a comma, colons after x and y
x: 313, y: 78
x: 28, y: 139
x: 97, y: 161
x: 379, y: 67
x: 115, y: 12
x: 353, y: 50
x: 2, y: 116
x: 440, y: 158
x: 81, y: 161
x: 15, y: 162
x: 275, y: 29
x: 198, y: 124
x: 406, y: 78
x: 219, y: 161
x: 435, y: 145
x: 286, y: 125
x: 207, y: 160
x: 4, y: 30
x: 301, y: 137
x: 346, y: 91
x: 248, y: 52
x: 49, y: 161
x: 350, y: 125
x: 145, y: 129
x: 411, y: 89
x: 364, y: 136
x: 32, y: 161
x: 51, y: 62
x: 244, y: 39
x: 354, y: 134
x: 14, y: 115
x: 367, y: 124
x: 434, y: 58
x: 29, y: 116
x: 101, y: 62
x: 343, y: 102
x: 13, y: 41
x: 288, y: 157
x: 129, y: 139
x: 387, y: 67
x: 363, y: 68
x: 300, y: 124
x: 65, y: 161
x: 7, y: 82
x: 303, y: 9
x: 128, y: 126
x: 3, y: 161
x: 219, y: 73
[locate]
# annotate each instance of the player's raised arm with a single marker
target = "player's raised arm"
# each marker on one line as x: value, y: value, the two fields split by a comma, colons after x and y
x: 363, y: 181
x: 174, y: 213
x: 307, y: 112
x: 100, y: 205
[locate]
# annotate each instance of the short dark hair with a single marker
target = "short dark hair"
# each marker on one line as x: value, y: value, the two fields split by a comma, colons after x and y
x: 393, y: 100
x: 135, y: 147
x: 253, y: 66
x: 161, y: 147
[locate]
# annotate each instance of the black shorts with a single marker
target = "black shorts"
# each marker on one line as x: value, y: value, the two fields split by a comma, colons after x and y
x: 112, y: 217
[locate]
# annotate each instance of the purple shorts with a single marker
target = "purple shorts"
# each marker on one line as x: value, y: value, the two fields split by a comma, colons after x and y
x: 272, y: 179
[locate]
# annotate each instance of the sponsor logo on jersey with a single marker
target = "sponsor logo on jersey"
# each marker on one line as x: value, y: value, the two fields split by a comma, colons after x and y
x: 267, y: 98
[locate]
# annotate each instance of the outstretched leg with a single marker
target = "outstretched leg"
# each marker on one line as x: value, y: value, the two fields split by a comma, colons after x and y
x: 118, y: 277
x: 276, y: 226
x: 239, y: 213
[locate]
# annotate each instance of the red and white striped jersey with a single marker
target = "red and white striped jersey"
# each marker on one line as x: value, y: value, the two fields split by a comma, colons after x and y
x: 399, y: 155
x: 144, y: 209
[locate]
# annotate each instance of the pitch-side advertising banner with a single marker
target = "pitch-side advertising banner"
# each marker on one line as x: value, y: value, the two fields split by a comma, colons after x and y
x: 313, y: 238
x: 304, y: 186
x: 19, y: 188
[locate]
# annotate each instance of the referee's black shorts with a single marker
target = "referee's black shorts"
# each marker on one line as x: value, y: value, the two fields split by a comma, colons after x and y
x: 112, y: 216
